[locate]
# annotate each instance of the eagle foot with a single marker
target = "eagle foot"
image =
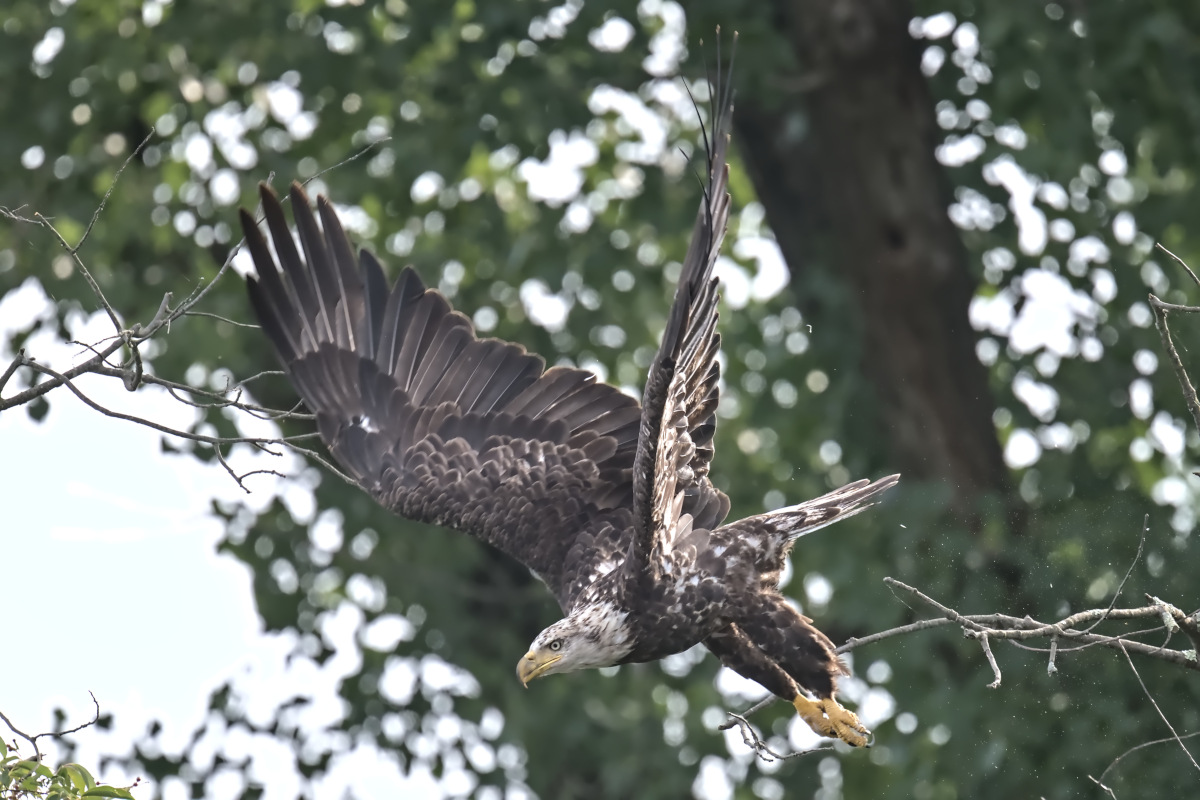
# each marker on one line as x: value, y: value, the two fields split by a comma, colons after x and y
x: 829, y: 718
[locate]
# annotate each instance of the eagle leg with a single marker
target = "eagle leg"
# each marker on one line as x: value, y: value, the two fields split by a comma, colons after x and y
x: 828, y: 717
x: 780, y: 635
x: 735, y: 650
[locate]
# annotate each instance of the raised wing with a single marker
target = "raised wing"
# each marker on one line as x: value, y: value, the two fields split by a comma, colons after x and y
x: 438, y: 425
x: 671, y: 489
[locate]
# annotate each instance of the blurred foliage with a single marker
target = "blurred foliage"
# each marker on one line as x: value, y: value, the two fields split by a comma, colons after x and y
x: 1079, y: 120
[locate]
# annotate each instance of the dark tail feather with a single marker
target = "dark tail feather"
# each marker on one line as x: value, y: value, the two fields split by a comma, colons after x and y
x: 812, y: 515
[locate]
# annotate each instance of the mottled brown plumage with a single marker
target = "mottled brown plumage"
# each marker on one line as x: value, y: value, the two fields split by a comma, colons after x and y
x: 609, y: 502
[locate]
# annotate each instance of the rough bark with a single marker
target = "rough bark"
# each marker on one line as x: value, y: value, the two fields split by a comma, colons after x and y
x: 865, y: 176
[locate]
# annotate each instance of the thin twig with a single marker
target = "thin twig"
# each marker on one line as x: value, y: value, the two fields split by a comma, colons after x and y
x: 1160, y: 310
x: 74, y: 249
x: 37, y: 753
x: 754, y: 709
x: 1110, y: 792
x: 222, y: 319
x: 196, y: 437
x: 12, y: 368
x: 348, y: 159
x: 755, y: 742
x: 112, y: 185
x: 912, y: 627
x: 1134, y: 749
x: 78, y: 728
x: 991, y: 659
x: 1136, y: 558
x: 1182, y: 263
x: 240, y: 478
x: 34, y: 392
x: 1161, y: 715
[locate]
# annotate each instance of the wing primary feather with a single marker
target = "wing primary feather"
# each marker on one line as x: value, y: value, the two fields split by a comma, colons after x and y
x: 556, y: 383
x: 677, y: 386
x: 376, y: 295
x: 449, y: 339
x: 321, y: 267
x: 418, y: 331
x: 518, y: 372
x: 294, y: 275
x: 271, y: 302
x: 350, y: 303
x: 407, y: 291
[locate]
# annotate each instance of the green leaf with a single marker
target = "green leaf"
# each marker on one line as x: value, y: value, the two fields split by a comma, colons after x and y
x: 108, y: 791
x: 79, y: 777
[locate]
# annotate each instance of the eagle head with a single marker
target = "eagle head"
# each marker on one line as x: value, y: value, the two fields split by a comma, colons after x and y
x: 590, y: 637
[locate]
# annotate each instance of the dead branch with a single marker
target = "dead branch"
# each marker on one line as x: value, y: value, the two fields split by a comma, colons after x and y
x: 119, y: 356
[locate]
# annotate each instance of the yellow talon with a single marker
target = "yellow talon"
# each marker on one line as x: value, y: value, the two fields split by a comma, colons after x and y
x: 828, y: 718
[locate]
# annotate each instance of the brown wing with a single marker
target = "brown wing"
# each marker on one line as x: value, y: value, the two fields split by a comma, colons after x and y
x: 672, y: 491
x: 436, y: 424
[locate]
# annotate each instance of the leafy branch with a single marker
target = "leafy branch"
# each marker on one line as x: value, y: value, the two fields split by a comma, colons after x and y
x: 30, y: 779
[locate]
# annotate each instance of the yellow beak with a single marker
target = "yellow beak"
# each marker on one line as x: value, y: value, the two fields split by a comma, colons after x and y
x: 534, y: 665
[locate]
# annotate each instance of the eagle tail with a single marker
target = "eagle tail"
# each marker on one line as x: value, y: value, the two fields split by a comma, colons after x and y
x: 812, y: 515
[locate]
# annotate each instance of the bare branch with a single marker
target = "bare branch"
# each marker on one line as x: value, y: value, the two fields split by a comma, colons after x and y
x: 1183, y: 264
x: 925, y: 624
x: 1160, y: 310
x: 16, y: 364
x: 1161, y: 715
x: 1109, y: 791
x: 74, y: 250
x: 348, y: 159
x: 754, y: 709
x: 37, y: 753
x: 219, y: 317
x: 754, y: 740
x: 1185, y: 622
x: 1100, y: 781
x: 195, y: 437
x: 34, y: 392
x: 991, y: 659
x: 1003, y: 626
x: 240, y: 478
x: 95, y: 702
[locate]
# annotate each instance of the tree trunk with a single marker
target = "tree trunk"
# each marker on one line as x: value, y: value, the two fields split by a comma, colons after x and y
x: 866, y: 177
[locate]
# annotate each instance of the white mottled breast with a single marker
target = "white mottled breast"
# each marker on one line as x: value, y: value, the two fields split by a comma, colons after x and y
x: 606, y: 636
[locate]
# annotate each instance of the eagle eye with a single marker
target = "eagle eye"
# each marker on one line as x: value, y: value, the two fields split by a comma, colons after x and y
x: 556, y: 645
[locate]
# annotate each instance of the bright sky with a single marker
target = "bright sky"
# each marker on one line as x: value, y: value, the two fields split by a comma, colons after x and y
x: 109, y: 553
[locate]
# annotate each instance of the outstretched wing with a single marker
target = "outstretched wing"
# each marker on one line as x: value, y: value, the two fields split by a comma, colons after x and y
x: 438, y: 425
x: 671, y: 489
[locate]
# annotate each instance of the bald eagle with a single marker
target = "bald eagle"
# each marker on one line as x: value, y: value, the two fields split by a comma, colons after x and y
x: 609, y: 502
